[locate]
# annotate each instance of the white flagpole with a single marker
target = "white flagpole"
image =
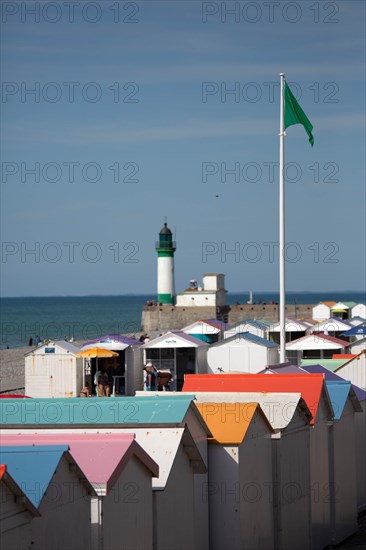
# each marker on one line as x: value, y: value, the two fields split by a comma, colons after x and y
x: 282, y: 226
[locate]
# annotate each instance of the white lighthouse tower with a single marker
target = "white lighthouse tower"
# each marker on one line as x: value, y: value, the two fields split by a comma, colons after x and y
x: 165, y: 249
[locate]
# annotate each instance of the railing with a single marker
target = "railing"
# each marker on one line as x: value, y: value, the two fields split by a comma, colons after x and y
x: 168, y: 245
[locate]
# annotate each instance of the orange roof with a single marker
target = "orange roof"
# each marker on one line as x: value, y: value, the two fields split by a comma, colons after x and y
x: 229, y: 422
x: 329, y: 304
x: 310, y: 387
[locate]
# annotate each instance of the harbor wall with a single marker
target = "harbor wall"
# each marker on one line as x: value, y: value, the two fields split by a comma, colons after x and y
x: 168, y: 317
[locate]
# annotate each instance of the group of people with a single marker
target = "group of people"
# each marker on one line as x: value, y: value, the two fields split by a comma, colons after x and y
x: 102, y: 382
x: 37, y: 341
x: 156, y: 380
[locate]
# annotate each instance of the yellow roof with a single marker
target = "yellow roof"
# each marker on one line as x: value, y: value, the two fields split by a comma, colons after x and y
x: 228, y: 422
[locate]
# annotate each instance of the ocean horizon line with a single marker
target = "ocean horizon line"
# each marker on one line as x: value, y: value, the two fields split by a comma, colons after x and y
x: 236, y: 292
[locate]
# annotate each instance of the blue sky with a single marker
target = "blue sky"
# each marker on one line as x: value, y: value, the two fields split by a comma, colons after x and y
x: 132, y: 121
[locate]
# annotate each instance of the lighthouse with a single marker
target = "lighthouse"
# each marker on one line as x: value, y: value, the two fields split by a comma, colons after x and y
x: 165, y: 249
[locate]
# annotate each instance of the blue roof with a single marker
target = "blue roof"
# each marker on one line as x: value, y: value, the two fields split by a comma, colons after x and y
x: 338, y: 393
x: 253, y: 338
x: 253, y: 323
x: 32, y: 467
x: 116, y: 411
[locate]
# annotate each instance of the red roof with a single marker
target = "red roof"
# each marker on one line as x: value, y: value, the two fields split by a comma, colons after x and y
x: 14, y: 396
x: 310, y: 387
x: 2, y: 470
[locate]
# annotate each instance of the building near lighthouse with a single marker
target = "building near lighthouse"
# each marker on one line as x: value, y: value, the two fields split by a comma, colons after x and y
x: 212, y: 293
x: 165, y: 248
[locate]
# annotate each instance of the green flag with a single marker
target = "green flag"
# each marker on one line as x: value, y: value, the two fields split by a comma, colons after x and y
x: 295, y: 115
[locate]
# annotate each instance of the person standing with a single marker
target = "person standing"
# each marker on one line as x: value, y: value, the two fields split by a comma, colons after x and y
x: 150, y: 380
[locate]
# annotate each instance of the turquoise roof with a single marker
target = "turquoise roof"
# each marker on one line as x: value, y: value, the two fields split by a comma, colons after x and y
x: 121, y: 411
x: 338, y: 393
x: 32, y: 467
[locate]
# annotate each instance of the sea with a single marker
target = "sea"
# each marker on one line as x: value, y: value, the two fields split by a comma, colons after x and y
x: 86, y: 317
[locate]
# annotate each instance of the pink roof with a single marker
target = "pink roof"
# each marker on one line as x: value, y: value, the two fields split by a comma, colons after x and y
x: 101, y: 457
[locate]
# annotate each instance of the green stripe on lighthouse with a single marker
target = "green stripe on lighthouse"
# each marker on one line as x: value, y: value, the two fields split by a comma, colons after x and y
x: 165, y: 298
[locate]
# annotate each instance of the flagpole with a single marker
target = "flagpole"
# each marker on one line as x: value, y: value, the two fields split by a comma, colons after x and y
x: 282, y: 225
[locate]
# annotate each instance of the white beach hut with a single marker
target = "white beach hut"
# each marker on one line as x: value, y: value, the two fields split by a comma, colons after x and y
x: 253, y: 326
x: 293, y: 328
x: 244, y: 352
x: 178, y: 352
x: 125, y: 370
x: 334, y: 326
x: 343, y: 494
x: 240, y: 476
x: 16, y: 513
x: 53, y: 370
x: 120, y: 472
x: 57, y: 487
x: 354, y: 370
x: 358, y: 346
x: 170, y: 430
x: 322, y: 311
x: 279, y: 409
x: 284, y: 505
x: 359, y: 310
x: 315, y: 346
x: 208, y: 330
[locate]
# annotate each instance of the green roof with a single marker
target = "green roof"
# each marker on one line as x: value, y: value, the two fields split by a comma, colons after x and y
x: 349, y: 304
x: 330, y: 364
x: 100, y: 411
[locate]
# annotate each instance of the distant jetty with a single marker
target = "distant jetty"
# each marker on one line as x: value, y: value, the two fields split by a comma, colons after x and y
x: 167, y: 317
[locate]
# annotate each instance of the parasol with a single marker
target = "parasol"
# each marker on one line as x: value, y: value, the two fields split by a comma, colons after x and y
x: 96, y: 353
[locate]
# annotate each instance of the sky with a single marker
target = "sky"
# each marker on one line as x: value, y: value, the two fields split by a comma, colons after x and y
x: 119, y: 116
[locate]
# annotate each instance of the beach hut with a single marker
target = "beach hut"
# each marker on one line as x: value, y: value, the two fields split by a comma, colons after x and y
x: 243, y: 352
x: 342, y: 309
x: 357, y: 320
x: 293, y: 327
x: 208, y: 330
x: 360, y: 423
x: 240, y: 476
x: 170, y: 430
x: 53, y: 370
x: 289, y: 416
x: 278, y: 410
x: 359, y: 310
x: 125, y: 370
x: 178, y: 352
x: 358, y: 346
x: 16, y: 513
x: 343, y: 495
x: 354, y: 370
x: 315, y: 346
x: 253, y: 326
x: 120, y: 472
x: 322, y: 311
x: 55, y: 485
x: 334, y: 326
